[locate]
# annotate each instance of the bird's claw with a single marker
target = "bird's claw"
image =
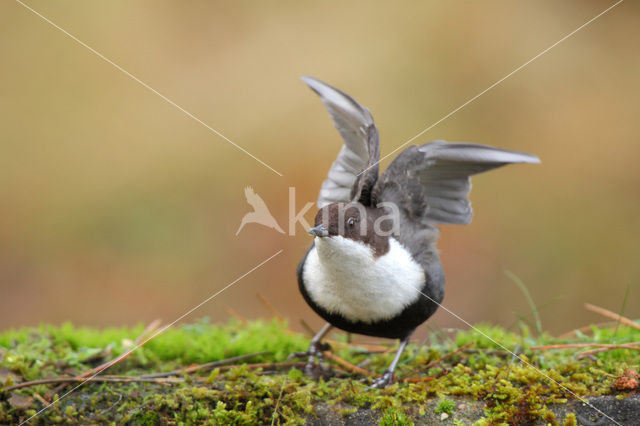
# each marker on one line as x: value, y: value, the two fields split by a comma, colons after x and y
x: 383, y: 381
x: 316, y: 370
x: 315, y: 366
x: 315, y: 350
x: 296, y: 355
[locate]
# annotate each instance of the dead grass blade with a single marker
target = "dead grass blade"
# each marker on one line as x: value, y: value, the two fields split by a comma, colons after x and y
x: 612, y: 315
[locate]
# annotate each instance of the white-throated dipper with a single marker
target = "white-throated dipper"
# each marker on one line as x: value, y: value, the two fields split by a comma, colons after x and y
x: 373, y: 267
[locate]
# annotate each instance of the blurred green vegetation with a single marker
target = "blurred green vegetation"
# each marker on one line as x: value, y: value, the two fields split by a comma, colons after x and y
x: 116, y: 208
x: 31, y: 352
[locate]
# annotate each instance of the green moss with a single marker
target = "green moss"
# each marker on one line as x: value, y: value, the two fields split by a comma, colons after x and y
x: 394, y: 417
x: 510, y: 391
x: 445, y: 406
x: 570, y: 420
x: 148, y: 419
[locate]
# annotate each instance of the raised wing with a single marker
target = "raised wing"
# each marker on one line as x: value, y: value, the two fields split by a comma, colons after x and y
x: 431, y: 183
x: 360, y: 151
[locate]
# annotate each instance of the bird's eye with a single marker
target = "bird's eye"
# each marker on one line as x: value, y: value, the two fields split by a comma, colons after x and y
x: 351, y: 222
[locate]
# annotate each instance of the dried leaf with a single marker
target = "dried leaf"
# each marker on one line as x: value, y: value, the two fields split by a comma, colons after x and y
x: 20, y: 401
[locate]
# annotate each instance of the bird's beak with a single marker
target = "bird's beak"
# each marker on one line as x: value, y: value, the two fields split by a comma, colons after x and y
x: 318, y: 231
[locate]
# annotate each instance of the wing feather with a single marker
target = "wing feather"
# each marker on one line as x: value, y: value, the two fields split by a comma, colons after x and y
x: 432, y: 182
x: 360, y: 149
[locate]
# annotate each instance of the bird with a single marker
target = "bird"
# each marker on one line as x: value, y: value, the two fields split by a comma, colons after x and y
x: 260, y: 213
x: 373, y: 266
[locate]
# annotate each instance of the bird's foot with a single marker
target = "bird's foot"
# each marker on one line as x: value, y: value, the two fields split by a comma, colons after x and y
x: 315, y: 350
x: 383, y: 381
x: 317, y: 370
x: 297, y: 355
x: 315, y: 367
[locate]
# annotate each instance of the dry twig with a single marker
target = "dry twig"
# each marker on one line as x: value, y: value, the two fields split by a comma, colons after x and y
x: 442, y: 358
x: 143, y: 379
x: 608, y: 346
x: 424, y: 379
x: 147, y: 331
x: 269, y: 307
x: 450, y: 354
x: 235, y: 315
x: 275, y: 410
x: 307, y: 328
x: 369, y: 347
x: 347, y: 364
x: 586, y: 329
x: 610, y: 314
x: 203, y: 367
x: 97, y: 370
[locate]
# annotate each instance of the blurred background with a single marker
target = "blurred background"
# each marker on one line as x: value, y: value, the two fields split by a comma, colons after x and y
x: 116, y: 208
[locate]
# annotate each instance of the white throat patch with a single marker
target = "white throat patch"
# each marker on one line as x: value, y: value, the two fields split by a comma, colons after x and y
x: 342, y: 276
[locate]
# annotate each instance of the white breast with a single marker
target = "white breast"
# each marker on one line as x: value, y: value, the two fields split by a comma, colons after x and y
x: 342, y: 276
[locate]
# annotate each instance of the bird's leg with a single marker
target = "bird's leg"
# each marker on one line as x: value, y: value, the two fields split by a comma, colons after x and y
x: 387, y: 377
x: 314, y: 367
x: 314, y: 354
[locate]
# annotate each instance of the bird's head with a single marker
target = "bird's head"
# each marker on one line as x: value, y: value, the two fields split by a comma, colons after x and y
x: 356, y: 222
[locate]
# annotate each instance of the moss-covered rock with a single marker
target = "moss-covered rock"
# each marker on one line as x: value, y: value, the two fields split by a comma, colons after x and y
x: 482, y: 383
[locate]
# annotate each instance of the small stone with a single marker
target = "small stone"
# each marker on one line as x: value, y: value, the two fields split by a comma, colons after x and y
x: 20, y: 401
x: 444, y: 416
